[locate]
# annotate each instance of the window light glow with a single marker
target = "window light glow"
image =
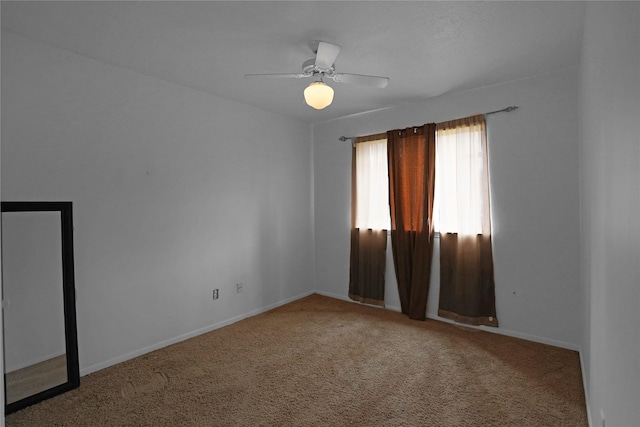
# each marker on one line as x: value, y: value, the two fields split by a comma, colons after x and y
x: 458, y: 197
x: 372, y: 186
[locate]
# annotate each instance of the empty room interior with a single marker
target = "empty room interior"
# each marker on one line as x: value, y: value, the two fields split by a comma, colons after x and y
x: 203, y: 195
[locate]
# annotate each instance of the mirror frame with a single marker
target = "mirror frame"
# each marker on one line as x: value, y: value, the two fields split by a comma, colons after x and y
x: 69, y: 300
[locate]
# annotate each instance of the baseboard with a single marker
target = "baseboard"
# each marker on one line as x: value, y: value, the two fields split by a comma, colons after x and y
x: 340, y: 297
x: 119, y: 359
x: 226, y: 322
x: 500, y: 331
x: 277, y: 304
x: 509, y: 333
x: 347, y: 299
x: 586, y: 389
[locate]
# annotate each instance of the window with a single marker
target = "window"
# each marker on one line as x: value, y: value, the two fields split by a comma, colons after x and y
x: 461, y: 193
x: 372, y: 180
x: 454, y: 154
x: 461, y: 199
x: 369, y: 219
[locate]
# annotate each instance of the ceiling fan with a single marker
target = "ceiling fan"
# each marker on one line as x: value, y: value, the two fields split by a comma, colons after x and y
x: 318, y: 94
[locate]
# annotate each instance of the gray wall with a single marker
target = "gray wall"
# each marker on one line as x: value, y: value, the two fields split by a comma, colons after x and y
x: 176, y: 192
x: 610, y: 207
x: 533, y: 155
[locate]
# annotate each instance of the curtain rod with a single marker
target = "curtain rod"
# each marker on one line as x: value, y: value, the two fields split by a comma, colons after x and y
x: 504, y: 110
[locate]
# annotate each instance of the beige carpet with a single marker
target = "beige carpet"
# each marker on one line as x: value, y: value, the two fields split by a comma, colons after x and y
x: 324, y: 362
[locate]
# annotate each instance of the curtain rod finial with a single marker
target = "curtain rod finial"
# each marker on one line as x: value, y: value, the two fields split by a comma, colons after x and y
x: 506, y: 110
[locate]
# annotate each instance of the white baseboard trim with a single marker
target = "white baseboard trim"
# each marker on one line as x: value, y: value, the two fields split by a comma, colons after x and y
x: 347, y: 299
x: 119, y: 359
x: 336, y: 296
x: 586, y: 389
x: 500, y: 331
x: 509, y: 333
x: 226, y: 322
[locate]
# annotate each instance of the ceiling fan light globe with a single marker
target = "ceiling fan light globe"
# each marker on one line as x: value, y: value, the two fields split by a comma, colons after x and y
x: 318, y: 95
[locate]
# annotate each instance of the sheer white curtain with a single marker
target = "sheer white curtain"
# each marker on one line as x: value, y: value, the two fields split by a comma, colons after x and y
x: 462, y: 190
x: 373, y: 185
x: 369, y: 219
x: 467, y: 288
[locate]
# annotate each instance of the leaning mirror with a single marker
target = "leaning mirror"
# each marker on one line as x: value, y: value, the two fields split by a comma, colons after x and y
x: 38, y: 300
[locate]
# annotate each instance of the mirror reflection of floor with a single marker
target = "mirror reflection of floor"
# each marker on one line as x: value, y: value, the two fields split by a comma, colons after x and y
x: 36, y: 378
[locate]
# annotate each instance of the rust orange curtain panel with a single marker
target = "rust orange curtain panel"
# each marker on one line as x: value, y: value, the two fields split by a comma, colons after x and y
x: 369, y: 219
x: 467, y: 289
x: 411, y: 154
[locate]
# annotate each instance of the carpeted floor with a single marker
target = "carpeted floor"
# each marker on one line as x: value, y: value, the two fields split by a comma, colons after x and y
x: 324, y: 362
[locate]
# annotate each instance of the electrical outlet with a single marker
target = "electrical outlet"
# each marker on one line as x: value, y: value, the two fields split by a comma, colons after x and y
x: 215, y: 294
x: 239, y: 287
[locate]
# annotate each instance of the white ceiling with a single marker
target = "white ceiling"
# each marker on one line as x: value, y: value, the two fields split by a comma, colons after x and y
x: 426, y: 48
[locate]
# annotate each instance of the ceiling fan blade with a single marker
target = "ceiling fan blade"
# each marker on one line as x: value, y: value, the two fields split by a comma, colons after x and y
x: 360, y: 79
x: 326, y: 55
x: 276, y: 76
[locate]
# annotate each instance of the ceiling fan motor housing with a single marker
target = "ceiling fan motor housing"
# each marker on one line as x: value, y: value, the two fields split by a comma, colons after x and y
x: 310, y: 68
